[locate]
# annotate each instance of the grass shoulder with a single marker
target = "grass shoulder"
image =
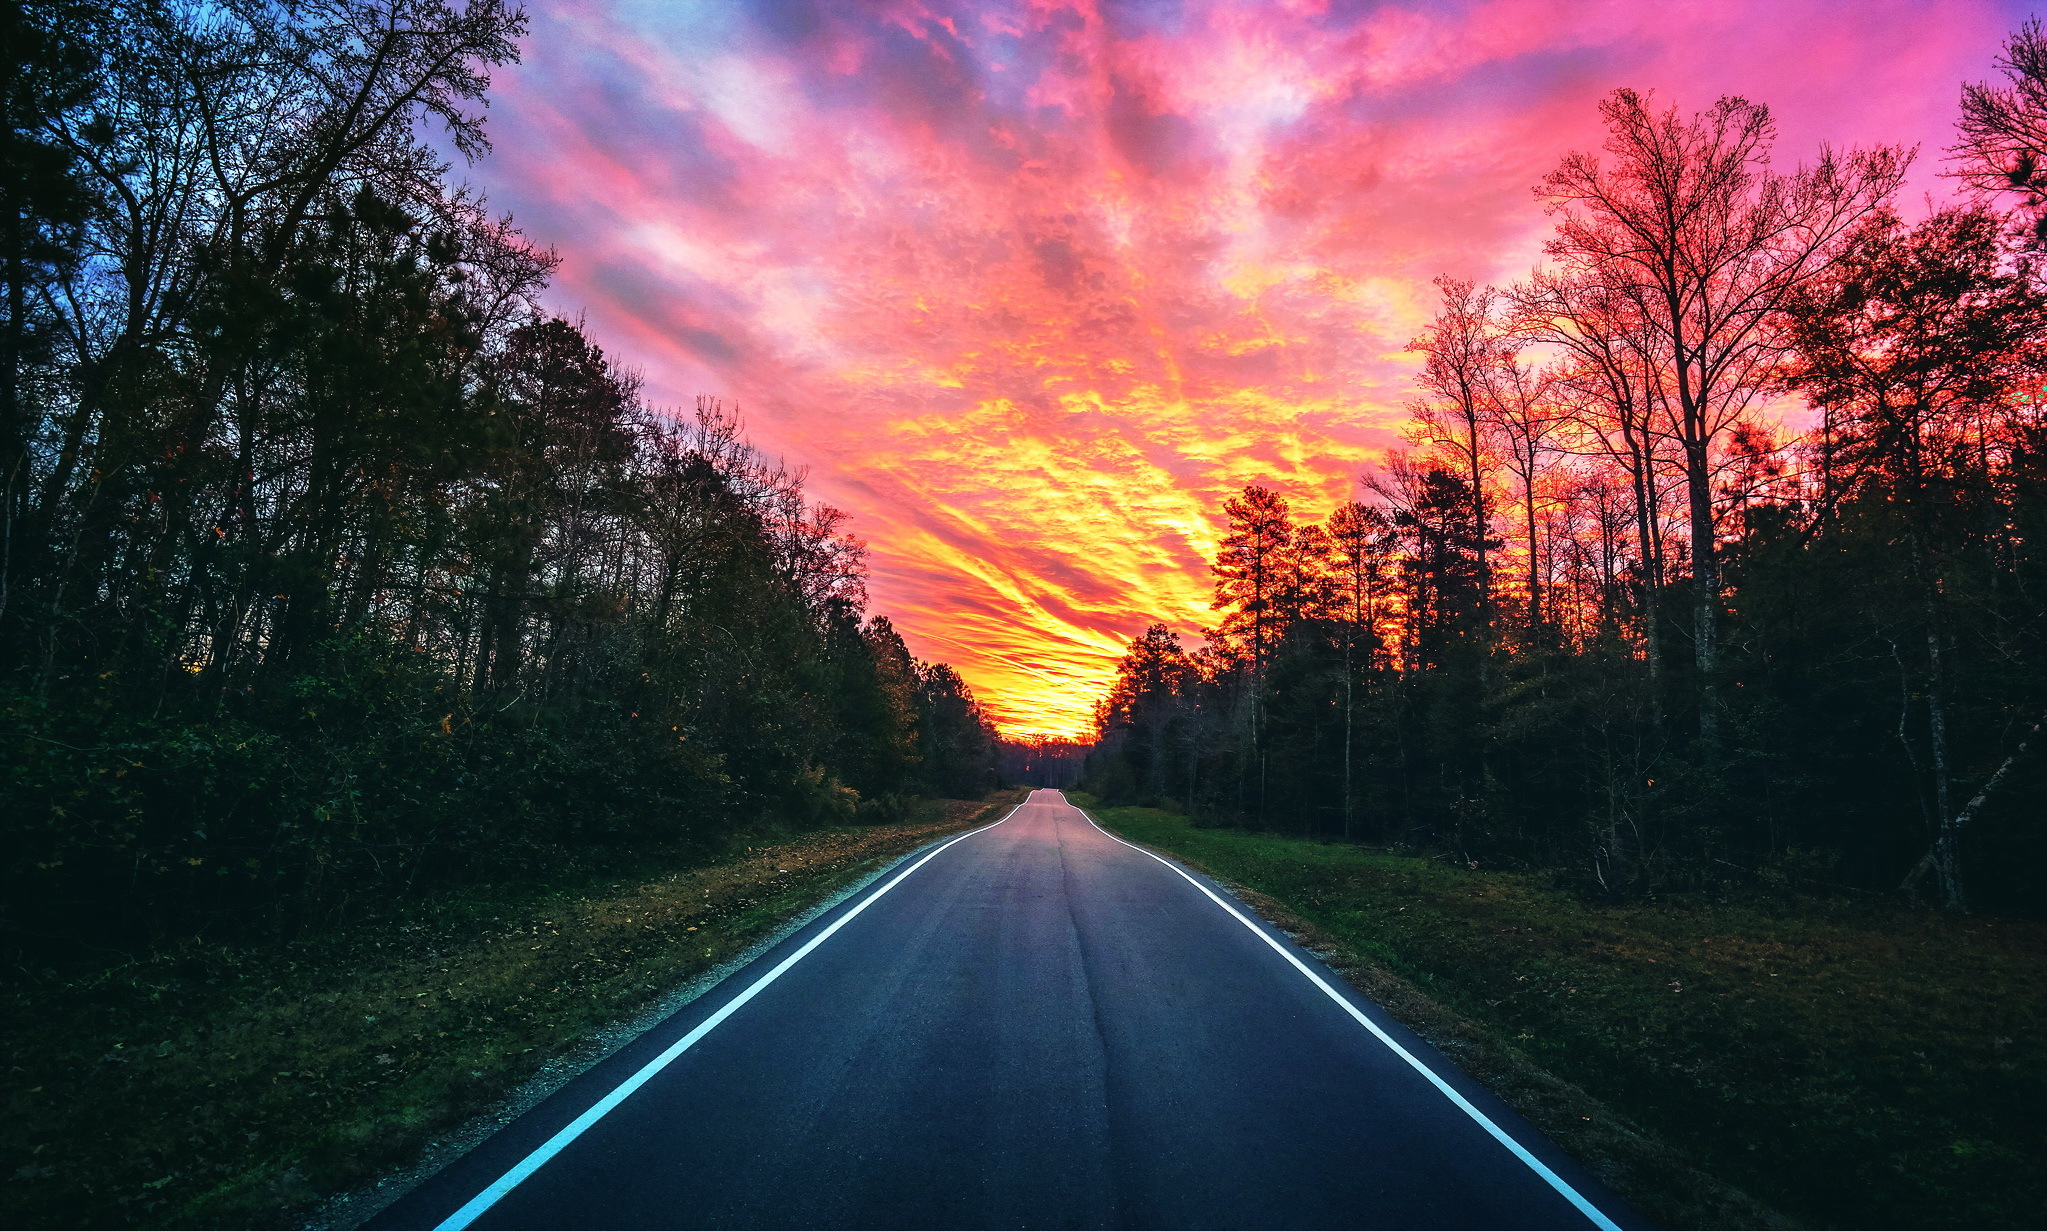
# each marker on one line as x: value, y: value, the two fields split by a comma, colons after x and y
x: 233, y: 1086
x: 1855, y: 1064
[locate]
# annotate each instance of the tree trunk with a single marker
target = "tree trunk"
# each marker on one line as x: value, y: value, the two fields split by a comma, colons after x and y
x: 1534, y: 552
x: 1644, y: 487
x: 1947, y: 845
x: 1478, y: 518
x: 1349, y: 715
x: 13, y: 424
x: 1705, y: 588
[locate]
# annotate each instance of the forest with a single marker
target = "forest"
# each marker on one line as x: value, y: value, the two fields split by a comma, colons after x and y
x: 1714, y: 555
x: 333, y: 567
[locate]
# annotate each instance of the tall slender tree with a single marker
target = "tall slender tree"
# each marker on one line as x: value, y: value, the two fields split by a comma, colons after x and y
x: 1460, y: 359
x: 1709, y: 243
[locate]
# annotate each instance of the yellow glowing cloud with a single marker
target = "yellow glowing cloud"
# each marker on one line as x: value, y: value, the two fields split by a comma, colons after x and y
x: 1032, y: 289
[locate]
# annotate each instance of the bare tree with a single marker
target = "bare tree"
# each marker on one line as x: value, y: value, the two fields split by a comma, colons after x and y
x: 1710, y: 242
x: 1608, y: 380
x: 1462, y: 349
x: 1522, y: 416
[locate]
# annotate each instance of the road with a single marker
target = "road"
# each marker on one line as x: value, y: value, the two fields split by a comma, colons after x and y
x: 1031, y: 1026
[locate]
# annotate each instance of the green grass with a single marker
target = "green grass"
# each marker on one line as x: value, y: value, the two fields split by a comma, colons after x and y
x: 233, y: 1086
x: 1859, y: 1065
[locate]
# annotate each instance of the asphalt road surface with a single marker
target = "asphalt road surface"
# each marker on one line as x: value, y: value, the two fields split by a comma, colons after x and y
x: 1031, y: 1026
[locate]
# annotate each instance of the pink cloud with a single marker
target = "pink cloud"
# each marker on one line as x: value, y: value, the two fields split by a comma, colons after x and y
x: 1030, y: 287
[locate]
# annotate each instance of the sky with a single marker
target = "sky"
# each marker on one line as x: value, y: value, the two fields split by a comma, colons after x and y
x: 1030, y: 289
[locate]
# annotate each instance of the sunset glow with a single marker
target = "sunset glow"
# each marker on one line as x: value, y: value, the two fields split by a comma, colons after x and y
x: 1029, y: 288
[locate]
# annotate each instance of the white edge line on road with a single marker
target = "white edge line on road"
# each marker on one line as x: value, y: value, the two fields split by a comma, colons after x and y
x: 576, y: 1128
x: 1485, y: 1122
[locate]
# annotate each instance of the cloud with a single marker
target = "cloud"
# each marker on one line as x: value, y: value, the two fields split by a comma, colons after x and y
x: 1030, y: 288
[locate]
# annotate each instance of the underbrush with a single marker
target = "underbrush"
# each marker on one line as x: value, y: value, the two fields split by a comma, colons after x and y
x: 1861, y: 1065
x: 231, y: 1085
x: 131, y: 819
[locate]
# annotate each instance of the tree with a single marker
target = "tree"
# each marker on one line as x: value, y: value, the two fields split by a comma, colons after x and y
x: 1709, y: 243
x: 956, y: 742
x: 1363, y: 546
x: 1362, y: 555
x: 331, y: 568
x: 45, y: 202
x: 1461, y: 350
x: 1870, y: 650
x: 1445, y: 600
x: 1520, y: 412
x: 1608, y: 381
x: 1140, y: 717
x: 1305, y: 592
x: 2003, y: 129
x: 1924, y: 341
x: 1255, y: 573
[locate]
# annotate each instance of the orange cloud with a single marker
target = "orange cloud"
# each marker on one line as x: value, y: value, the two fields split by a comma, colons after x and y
x: 1030, y: 288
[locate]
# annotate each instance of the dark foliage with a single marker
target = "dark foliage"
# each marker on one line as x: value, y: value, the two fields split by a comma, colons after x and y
x: 331, y: 568
x: 1597, y: 626
x: 1041, y: 762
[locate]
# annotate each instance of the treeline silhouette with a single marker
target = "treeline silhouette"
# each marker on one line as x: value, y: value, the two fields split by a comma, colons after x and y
x: 1606, y: 615
x: 1042, y: 762
x: 333, y: 568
